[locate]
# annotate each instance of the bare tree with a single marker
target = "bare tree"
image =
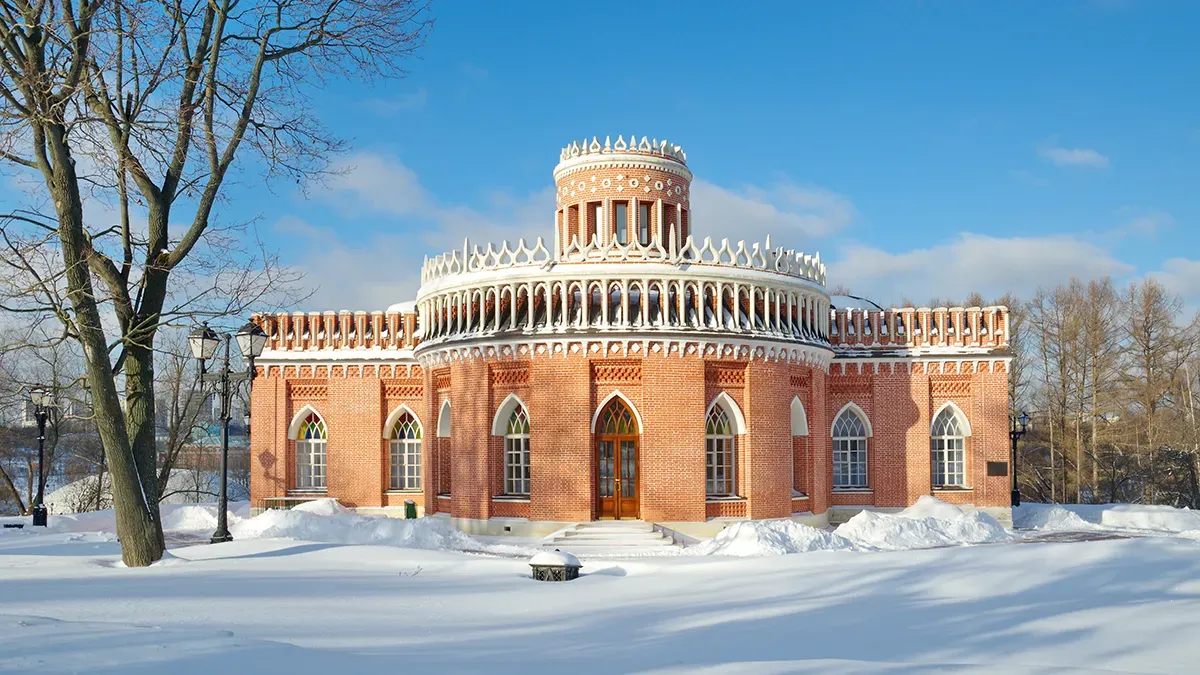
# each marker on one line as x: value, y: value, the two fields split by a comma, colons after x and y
x: 148, y: 104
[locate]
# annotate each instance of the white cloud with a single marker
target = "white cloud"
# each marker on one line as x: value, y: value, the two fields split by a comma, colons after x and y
x: 972, y: 262
x: 783, y: 210
x: 1060, y: 156
x: 1145, y: 223
x: 1181, y: 276
x: 347, y: 269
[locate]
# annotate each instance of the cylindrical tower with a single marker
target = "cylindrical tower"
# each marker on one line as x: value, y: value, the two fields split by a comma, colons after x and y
x: 624, y: 192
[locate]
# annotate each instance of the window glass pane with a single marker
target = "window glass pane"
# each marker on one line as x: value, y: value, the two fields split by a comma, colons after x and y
x: 621, y: 217
x: 644, y: 224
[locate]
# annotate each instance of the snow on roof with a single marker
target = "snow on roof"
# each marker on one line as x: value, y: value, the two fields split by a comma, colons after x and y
x: 409, y: 307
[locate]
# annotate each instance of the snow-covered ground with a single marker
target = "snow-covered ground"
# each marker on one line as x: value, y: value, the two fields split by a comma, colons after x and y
x: 359, y: 594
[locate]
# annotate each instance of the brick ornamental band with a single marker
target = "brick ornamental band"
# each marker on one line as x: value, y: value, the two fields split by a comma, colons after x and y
x: 628, y: 369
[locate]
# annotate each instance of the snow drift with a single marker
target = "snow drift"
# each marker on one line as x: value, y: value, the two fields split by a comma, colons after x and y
x: 770, y: 537
x: 1149, y: 517
x: 930, y: 523
x: 326, y: 521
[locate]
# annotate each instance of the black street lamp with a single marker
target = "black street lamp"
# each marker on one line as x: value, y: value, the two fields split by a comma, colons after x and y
x: 204, y: 341
x: 42, y: 401
x: 1016, y: 430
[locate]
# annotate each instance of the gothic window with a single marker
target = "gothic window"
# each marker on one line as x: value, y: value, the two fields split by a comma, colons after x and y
x: 849, y: 451
x: 719, y: 454
x: 310, y: 453
x: 516, y: 453
x: 948, y: 448
x: 406, y: 453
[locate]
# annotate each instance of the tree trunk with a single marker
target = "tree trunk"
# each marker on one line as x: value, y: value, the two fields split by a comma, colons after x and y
x: 138, y: 528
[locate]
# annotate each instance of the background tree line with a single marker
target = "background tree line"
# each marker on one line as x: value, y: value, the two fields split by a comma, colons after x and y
x: 1109, y: 376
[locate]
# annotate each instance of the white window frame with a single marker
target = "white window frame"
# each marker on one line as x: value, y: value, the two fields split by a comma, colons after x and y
x: 311, y: 458
x: 851, y: 460
x: 516, y: 454
x: 947, y: 450
x: 405, y: 464
x: 720, y: 452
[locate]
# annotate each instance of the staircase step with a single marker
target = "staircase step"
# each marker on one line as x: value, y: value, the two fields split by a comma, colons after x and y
x: 609, y: 543
x: 592, y: 534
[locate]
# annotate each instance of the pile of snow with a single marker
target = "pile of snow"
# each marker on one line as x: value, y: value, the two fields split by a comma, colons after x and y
x: 326, y: 521
x: 1051, y: 517
x: 555, y: 558
x: 1151, y: 517
x: 930, y: 523
x: 770, y: 537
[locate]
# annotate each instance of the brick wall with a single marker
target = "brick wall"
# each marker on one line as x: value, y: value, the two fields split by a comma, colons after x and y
x: 670, y: 394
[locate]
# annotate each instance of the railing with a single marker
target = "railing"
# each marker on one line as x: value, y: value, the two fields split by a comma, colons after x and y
x: 919, y: 327
x: 755, y: 256
x: 301, y: 331
x: 573, y: 301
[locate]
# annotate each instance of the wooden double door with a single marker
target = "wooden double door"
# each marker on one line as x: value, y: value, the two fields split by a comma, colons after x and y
x: 618, y: 482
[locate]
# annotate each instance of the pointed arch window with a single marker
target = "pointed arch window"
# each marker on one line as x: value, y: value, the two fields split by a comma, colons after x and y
x: 310, y: 453
x: 948, y: 448
x: 406, y: 453
x: 719, y: 454
x: 516, y: 453
x: 849, y: 451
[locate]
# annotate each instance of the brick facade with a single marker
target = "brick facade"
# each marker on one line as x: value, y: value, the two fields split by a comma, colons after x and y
x: 672, y: 328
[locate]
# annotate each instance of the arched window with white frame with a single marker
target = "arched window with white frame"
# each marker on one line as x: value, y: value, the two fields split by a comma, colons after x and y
x: 719, y: 454
x: 850, y: 433
x: 405, y: 445
x: 310, y: 453
x: 516, y: 453
x: 948, y: 443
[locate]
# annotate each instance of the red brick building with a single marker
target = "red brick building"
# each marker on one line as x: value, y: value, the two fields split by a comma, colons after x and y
x: 627, y: 369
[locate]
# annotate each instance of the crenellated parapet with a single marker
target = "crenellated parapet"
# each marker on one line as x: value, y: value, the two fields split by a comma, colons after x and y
x: 334, y: 331
x: 663, y: 148
x: 918, y: 328
x: 739, y: 255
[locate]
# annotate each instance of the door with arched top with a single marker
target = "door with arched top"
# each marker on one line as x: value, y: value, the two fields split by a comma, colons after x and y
x: 617, y: 477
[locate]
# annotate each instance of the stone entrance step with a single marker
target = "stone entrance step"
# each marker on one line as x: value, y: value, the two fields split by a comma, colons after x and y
x: 618, y: 536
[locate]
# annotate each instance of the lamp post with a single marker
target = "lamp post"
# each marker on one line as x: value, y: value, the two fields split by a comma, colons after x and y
x: 204, y: 342
x: 1016, y: 430
x: 42, y: 401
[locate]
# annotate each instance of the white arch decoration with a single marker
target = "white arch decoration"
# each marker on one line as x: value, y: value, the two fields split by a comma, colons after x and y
x: 799, y: 418
x: 730, y: 406
x: 391, y: 420
x: 443, y: 420
x: 617, y: 393
x: 500, y: 421
x: 857, y: 411
x: 298, y: 421
x: 962, y: 418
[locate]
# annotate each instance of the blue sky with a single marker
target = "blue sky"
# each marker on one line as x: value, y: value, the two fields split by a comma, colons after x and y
x: 924, y: 148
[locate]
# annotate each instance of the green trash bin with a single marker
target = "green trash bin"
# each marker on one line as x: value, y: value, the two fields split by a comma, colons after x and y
x: 410, y: 509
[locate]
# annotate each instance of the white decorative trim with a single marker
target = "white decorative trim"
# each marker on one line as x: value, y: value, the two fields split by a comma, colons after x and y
x: 444, y: 420
x: 395, y: 415
x: 298, y: 420
x: 500, y: 421
x: 566, y: 346
x: 858, y: 411
x: 617, y: 393
x: 731, y: 406
x: 690, y: 253
x: 799, y: 417
x: 957, y: 412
